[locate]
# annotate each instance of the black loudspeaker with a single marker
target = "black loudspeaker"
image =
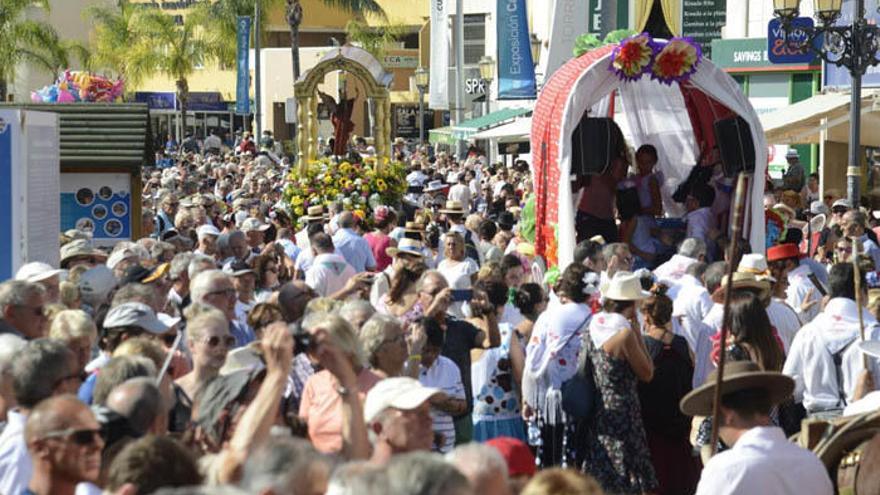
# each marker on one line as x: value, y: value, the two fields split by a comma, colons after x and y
x: 734, y: 138
x: 592, y: 143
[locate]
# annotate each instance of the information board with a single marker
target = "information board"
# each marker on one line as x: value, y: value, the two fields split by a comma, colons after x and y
x: 702, y: 20
x: 99, y: 203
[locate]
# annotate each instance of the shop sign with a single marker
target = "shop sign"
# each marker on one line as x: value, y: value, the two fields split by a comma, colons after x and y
x: 790, y: 47
x: 400, y: 61
x: 751, y: 54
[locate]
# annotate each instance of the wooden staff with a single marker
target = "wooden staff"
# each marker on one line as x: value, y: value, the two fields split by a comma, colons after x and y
x: 735, y: 229
x: 857, y: 279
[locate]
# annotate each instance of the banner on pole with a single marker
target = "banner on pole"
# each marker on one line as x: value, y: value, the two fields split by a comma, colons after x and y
x: 516, y: 72
x: 438, y: 91
x: 243, y: 81
x: 567, y: 21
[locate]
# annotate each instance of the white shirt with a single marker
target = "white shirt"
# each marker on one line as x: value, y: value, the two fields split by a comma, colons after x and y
x: 674, y: 269
x: 810, y: 360
x: 445, y: 375
x: 799, y: 287
x: 458, y: 276
x: 329, y: 274
x: 461, y: 192
x: 15, y: 462
x: 691, y: 301
x: 699, y: 223
x: 784, y: 318
x: 764, y: 461
x: 213, y: 142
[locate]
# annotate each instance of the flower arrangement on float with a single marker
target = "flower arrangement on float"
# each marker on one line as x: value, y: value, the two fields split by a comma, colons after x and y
x: 360, y: 187
x: 666, y: 61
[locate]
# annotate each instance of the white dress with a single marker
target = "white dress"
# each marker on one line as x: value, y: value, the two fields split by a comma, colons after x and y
x: 458, y: 276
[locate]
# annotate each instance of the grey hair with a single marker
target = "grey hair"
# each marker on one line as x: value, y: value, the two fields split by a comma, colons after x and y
x: 358, y: 478
x: 179, y: 265
x: 10, y: 346
x: 340, y: 332
x: 428, y: 275
x: 134, y: 292
x: 159, y: 248
x: 373, y: 332
x: 478, y: 461
x: 17, y: 292
x: 119, y: 370
x: 351, y: 308
x: 692, y: 248
x: 199, y: 263
x: 345, y: 220
x: 611, y: 250
x: 38, y: 368
x: 138, y: 400
x: 200, y: 286
x: 423, y: 473
x: 279, y: 462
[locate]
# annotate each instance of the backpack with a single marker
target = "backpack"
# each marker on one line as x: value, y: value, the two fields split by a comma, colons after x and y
x: 470, y: 248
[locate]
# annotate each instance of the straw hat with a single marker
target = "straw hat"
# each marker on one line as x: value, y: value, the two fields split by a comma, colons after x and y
x: 743, y: 280
x: 77, y: 248
x: 453, y: 207
x: 738, y: 375
x: 414, y: 227
x: 406, y: 246
x: 315, y: 213
x: 625, y: 286
x: 755, y: 264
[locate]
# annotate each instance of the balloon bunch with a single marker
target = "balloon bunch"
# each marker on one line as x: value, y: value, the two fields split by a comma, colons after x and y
x: 80, y: 86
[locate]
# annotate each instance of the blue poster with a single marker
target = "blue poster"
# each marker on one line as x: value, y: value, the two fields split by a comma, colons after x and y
x: 838, y: 77
x: 243, y: 83
x: 516, y: 72
x: 6, y: 180
x: 97, y: 203
x: 789, y: 47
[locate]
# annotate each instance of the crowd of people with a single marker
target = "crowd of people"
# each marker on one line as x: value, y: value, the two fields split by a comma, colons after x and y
x: 424, y: 349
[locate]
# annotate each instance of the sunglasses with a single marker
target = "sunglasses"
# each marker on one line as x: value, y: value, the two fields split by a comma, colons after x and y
x: 37, y: 311
x: 78, y: 437
x: 214, y: 341
x: 169, y: 339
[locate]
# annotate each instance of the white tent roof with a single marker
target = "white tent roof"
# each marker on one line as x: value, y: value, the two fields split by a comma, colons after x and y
x: 802, y: 122
x: 515, y: 131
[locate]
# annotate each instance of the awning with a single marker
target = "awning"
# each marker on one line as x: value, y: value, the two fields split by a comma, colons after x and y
x: 516, y: 131
x: 804, y: 121
x: 441, y: 135
x: 492, y: 119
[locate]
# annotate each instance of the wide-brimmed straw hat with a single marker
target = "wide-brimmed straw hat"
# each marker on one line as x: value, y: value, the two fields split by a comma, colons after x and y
x: 453, y: 207
x: 738, y: 375
x: 315, y: 213
x: 414, y: 227
x: 406, y: 246
x: 625, y: 286
x: 742, y: 280
x: 77, y: 248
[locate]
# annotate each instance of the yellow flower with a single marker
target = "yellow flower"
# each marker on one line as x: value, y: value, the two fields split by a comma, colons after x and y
x: 328, y: 179
x: 381, y: 186
x: 298, y: 210
x: 297, y: 200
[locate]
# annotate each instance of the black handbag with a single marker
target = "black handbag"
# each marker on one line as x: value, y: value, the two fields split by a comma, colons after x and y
x: 579, y: 391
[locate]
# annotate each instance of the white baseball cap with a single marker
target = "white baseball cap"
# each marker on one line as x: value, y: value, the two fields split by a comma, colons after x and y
x: 399, y: 393
x: 206, y: 230
x: 253, y: 224
x: 36, y: 271
x: 135, y: 314
x: 119, y: 255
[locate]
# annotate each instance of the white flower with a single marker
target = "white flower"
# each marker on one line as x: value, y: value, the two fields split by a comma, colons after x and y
x: 591, y: 283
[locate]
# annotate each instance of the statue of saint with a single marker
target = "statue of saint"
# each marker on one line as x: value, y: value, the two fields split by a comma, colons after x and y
x: 340, y: 116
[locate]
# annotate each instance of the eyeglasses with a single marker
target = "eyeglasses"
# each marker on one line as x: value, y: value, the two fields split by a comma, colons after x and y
x: 230, y: 292
x: 78, y: 437
x: 433, y: 293
x: 214, y: 341
x: 847, y: 250
x: 169, y: 338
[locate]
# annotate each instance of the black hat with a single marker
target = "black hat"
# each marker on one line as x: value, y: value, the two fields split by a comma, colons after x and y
x: 135, y: 274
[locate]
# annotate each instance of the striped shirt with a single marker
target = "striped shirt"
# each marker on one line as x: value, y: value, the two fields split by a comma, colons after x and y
x: 444, y: 375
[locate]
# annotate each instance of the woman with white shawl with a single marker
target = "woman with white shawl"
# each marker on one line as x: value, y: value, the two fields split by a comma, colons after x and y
x: 551, y: 359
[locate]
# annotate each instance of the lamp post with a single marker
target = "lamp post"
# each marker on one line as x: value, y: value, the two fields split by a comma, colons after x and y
x: 535, y: 45
x: 854, y: 47
x: 422, y: 76
x: 487, y: 74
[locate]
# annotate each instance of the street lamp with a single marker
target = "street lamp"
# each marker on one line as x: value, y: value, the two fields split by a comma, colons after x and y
x: 854, y: 47
x: 487, y: 74
x: 535, y: 45
x: 422, y: 76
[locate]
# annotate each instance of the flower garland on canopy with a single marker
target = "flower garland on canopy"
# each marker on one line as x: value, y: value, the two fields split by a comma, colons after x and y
x: 667, y: 61
x: 360, y: 187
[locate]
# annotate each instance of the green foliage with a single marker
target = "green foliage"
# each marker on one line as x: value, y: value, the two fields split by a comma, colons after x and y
x: 26, y: 40
x: 375, y: 40
x: 116, y: 43
x: 223, y: 16
x: 589, y: 41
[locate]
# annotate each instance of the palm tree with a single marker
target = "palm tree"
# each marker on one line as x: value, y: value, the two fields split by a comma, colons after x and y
x: 224, y: 26
x: 26, y: 40
x: 171, y: 48
x: 295, y: 17
x: 115, y: 42
x: 374, y: 40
